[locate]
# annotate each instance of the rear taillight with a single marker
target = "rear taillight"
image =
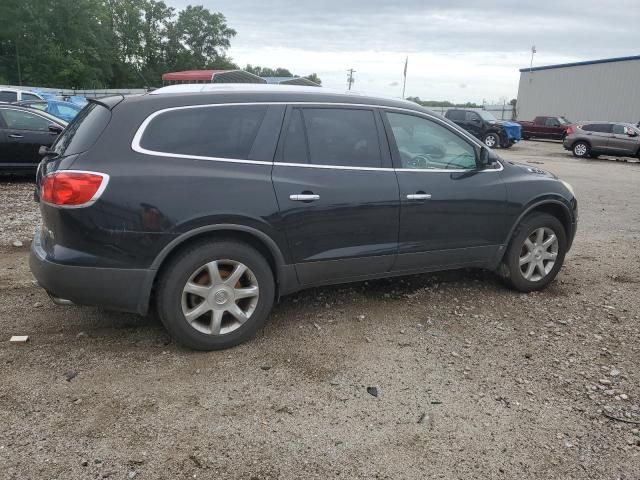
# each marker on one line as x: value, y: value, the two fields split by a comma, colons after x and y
x: 72, y: 188
x: 569, y: 130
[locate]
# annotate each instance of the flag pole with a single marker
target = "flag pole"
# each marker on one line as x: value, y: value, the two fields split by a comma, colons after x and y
x: 404, y: 83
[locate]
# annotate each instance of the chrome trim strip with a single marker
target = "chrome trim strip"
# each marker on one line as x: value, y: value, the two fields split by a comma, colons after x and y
x: 96, y: 196
x: 135, y: 143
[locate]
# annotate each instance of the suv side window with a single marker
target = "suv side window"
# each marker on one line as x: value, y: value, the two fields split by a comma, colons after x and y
x: 211, y: 131
x: 343, y: 137
x: 424, y: 144
x: 455, y: 115
x: 472, y: 117
x: 619, y: 129
x: 6, y: 96
x: 597, y: 127
x: 29, y: 96
x: 551, y: 122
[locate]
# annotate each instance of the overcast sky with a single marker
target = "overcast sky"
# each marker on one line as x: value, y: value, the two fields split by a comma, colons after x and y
x: 459, y: 50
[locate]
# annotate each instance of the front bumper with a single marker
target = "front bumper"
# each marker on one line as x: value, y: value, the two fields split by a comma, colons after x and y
x: 111, y: 288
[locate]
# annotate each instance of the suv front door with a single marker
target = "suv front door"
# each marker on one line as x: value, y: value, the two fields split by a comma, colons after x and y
x: 621, y: 143
x: 337, y: 193
x: 24, y: 133
x: 451, y: 213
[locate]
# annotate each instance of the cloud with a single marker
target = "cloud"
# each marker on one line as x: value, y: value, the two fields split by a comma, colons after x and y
x: 479, y: 44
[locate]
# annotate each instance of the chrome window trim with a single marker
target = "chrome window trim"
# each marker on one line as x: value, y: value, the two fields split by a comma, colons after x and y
x: 136, y: 147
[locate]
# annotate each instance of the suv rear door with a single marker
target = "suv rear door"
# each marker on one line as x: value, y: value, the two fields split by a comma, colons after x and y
x: 451, y: 214
x: 598, y: 135
x: 337, y: 193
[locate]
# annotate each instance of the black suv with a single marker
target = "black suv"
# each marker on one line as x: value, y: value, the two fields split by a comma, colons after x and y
x: 211, y: 205
x: 494, y: 133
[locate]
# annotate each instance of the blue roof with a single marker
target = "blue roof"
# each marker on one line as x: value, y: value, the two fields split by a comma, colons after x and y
x: 579, y: 64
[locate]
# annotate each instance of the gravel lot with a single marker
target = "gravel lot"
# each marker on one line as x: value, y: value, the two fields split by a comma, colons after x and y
x: 473, y: 380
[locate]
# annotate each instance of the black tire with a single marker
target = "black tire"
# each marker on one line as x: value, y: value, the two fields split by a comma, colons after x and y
x: 510, y: 268
x: 581, y: 149
x: 175, y: 275
x: 491, y: 140
x: 525, y: 137
x: 594, y: 155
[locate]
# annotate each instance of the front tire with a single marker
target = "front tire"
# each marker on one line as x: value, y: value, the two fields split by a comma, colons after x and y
x: 215, y: 295
x: 491, y: 140
x: 536, y: 253
x: 581, y: 149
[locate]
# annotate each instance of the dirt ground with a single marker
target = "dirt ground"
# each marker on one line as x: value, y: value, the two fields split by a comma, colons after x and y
x: 474, y: 381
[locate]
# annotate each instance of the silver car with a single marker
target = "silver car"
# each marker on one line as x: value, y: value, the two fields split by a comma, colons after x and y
x: 592, y: 139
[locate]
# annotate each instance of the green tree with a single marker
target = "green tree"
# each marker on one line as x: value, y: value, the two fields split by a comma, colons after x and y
x: 314, y: 78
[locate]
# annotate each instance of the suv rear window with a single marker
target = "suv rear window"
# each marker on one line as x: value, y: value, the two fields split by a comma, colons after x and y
x: 212, y: 131
x: 83, y: 131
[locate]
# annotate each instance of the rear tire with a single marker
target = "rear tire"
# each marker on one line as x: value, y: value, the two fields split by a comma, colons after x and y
x: 225, y: 288
x: 580, y: 149
x: 535, y: 254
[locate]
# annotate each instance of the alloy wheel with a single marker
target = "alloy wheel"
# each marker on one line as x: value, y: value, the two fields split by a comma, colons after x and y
x: 490, y: 141
x: 538, y: 254
x: 219, y: 297
x: 580, y: 150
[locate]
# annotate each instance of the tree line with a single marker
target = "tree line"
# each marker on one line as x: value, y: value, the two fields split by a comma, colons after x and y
x: 110, y: 43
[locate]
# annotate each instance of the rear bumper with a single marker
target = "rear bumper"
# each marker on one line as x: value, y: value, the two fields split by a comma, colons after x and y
x: 112, y: 288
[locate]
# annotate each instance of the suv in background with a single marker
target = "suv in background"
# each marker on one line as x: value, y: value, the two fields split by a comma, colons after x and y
x: 592, y: 139
x: 554, y: 128
x: 493, y: 132
x: 211, y: 205
x: 10, y: 95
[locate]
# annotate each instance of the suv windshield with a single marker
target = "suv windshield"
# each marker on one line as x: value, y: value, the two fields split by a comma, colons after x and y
x: 487, y: 116
x: 563, y: 121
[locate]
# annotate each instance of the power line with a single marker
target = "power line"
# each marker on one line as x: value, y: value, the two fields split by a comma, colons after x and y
x: 350, y: 79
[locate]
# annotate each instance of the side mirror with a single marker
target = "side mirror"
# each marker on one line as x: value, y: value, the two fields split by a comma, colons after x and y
x: 632, y: 133
x: 44, y: 150
x: 53, y: 128
x: 484, y: 159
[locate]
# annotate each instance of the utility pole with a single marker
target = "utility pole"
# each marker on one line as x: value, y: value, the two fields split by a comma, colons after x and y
x: 533, y: 52
x: 350, y: 79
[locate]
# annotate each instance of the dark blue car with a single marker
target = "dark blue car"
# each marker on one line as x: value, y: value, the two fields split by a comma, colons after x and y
x: 64, y: 110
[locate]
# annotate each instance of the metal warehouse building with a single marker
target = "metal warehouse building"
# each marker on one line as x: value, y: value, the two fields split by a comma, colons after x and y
x: 607, y: 90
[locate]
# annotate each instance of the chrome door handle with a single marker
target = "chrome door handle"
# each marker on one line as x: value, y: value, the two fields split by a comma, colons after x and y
x: 15, y: 135
x: 304, y: 197
x: 419, y: 196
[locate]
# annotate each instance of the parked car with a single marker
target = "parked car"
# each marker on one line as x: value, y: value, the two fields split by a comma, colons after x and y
x: 554, y: 128
x: 592, y: 139
x: 493, y: 132
x: 22, y: 132
x: 212, y: 205
x: 64, y: 110
x: 9, y: 95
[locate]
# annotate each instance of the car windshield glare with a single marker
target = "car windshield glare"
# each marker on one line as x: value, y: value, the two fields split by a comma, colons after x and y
x: 563, y: 121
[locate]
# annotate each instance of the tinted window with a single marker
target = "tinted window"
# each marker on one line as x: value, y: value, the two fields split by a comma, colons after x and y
x: 83, y: 131
x: 472, y: 117
x: 342, y: 137
x: 8, y: 96
x: 18, y: 120
x: 226, y: 132
x: 619, y: 129
x: 597, y: 127
x: 29, y: 96
x: 551, y: 122
x: 423, y: 144
x: 295, y: 144
x: 455, y: 115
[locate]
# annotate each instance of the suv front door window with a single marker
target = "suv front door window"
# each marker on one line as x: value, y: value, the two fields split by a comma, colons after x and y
x: 449, y: 210
x: 337, y: 193
x: 621, y: 143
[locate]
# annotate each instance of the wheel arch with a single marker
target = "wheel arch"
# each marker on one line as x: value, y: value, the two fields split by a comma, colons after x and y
x: 284, y: 275
x: 553, y: 207
x: 581, y: 140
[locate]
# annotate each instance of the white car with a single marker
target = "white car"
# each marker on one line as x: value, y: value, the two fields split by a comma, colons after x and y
x: 9, y: 95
